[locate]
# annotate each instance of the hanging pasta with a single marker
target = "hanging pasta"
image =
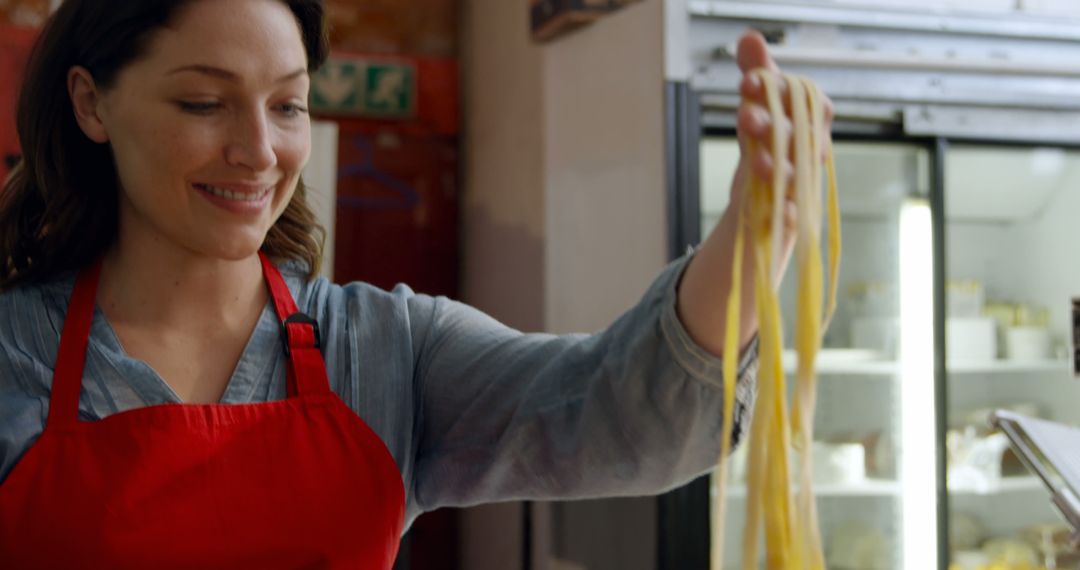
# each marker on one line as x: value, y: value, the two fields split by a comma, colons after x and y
x: 789, y: 517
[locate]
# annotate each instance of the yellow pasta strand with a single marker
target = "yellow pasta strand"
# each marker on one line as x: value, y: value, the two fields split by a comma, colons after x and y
x: 790, y: 523
x: 809, y: 303
x: 731, y: 346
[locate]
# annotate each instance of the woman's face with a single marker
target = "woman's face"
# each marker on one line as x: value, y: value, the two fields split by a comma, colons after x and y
x: 209, y: 129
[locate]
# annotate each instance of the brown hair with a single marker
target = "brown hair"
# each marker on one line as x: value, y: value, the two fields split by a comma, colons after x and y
x: 59, y: 206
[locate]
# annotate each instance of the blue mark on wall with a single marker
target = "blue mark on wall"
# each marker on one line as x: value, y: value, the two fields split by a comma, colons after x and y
x: 404, y: 196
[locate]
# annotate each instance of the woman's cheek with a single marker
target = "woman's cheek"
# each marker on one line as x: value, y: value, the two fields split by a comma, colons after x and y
x: 298, y: 147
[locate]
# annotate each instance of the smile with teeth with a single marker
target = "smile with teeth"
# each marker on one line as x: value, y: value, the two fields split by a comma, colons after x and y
x: 230, y: 195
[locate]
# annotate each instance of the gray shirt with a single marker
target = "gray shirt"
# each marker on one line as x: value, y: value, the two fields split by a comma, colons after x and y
x: 471, y: 410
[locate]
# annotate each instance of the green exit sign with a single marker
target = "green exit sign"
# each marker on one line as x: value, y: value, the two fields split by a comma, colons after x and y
x: 364, y: 87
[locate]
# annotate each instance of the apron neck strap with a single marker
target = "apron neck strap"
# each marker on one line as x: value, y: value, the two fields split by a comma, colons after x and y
x: 71, y: 358
x: 300, y: 337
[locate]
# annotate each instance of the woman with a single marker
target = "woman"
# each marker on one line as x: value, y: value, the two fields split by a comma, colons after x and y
x: 178, y: 390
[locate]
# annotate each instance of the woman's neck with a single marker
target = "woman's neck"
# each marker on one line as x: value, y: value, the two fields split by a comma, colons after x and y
x: 156, y: 284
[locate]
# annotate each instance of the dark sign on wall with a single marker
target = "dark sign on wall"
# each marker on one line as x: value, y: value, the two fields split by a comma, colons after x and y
x: 550, y: 19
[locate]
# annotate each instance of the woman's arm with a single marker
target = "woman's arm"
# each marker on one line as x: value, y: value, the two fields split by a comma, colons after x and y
x: 632, y: 410
x: 704, y: 290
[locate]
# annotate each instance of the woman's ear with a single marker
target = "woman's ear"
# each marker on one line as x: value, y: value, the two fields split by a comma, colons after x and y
x: 85, y: 101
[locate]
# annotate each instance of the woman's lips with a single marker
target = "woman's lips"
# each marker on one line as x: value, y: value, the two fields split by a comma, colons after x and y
x: 237, y: 198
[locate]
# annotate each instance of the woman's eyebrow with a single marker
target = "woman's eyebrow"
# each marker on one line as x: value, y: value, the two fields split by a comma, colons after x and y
x: 222, y: 73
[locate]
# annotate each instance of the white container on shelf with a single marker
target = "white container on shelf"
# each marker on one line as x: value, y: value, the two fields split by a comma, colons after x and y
x: 839, y: 463
x: 880, y: 334
x: 965, y: 299
x: 1027, y: 343
x: 971, y: 559
x: 971, y: 339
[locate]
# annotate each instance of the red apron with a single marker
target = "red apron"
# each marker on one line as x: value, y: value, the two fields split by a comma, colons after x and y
x: 297, y: 483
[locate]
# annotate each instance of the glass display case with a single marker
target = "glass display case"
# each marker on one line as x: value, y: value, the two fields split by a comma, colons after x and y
x: 957, y: 273
x: 873, y: 450
x: 1011, y: 269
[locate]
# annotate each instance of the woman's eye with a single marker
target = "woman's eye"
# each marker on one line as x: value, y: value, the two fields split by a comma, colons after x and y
x: 199, y: 107
x: 292, y: 109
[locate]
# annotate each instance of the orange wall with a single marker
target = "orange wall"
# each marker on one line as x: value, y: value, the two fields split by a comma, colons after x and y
x: 418, y: 27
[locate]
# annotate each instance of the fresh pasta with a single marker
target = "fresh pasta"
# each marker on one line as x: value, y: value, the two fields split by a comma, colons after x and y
x: 786, y: 513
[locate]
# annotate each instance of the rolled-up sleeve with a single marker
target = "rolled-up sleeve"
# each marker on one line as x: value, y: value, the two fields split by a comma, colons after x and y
x: 631, y: 410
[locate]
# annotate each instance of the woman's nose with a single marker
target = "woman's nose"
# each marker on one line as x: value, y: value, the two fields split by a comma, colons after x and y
x: 250, y: 143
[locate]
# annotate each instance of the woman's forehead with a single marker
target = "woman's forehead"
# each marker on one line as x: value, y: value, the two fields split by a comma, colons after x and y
x: 248, y: 38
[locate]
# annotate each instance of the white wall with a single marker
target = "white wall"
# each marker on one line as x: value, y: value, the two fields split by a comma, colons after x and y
x: 564, y: 216
x: 604, y: 167
x: 503, y: 224
x: 320, y: 176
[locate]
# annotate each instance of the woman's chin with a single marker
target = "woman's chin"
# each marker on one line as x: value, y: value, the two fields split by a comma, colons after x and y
x: 238, y: 248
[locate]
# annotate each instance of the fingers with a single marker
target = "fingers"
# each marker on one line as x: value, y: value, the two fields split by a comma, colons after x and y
x: 762, y: 165
x: 753, y: 52
x: 754, y: 121
x: 751, y: 88
x: 755, y: 124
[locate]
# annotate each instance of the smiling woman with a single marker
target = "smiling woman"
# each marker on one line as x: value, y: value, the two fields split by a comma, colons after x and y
x: 167, y: 100
x: 208, y: 156
x: 177, y: 389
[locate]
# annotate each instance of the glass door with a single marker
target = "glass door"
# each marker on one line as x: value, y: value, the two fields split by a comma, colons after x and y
x: 1011, y: 269
x: 874, y: 471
